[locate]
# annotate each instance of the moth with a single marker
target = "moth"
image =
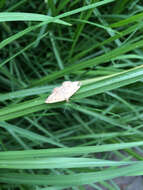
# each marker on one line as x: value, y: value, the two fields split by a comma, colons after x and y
x: 64, y: 92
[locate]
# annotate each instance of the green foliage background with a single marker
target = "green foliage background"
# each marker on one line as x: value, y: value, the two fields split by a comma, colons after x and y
x: 70, y: 144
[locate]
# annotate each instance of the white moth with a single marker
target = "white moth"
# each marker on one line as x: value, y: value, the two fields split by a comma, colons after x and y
x: 63, y: 92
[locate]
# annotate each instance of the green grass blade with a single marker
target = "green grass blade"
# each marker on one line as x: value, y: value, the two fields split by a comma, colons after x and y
x: 60, y: 152
x: 69, y: 180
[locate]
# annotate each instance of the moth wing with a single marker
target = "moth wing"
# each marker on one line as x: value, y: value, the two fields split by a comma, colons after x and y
x: 56, y: 96
x: 70, y: 88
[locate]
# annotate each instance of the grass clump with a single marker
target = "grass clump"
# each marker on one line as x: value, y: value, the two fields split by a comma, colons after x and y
x: 86, y: 140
